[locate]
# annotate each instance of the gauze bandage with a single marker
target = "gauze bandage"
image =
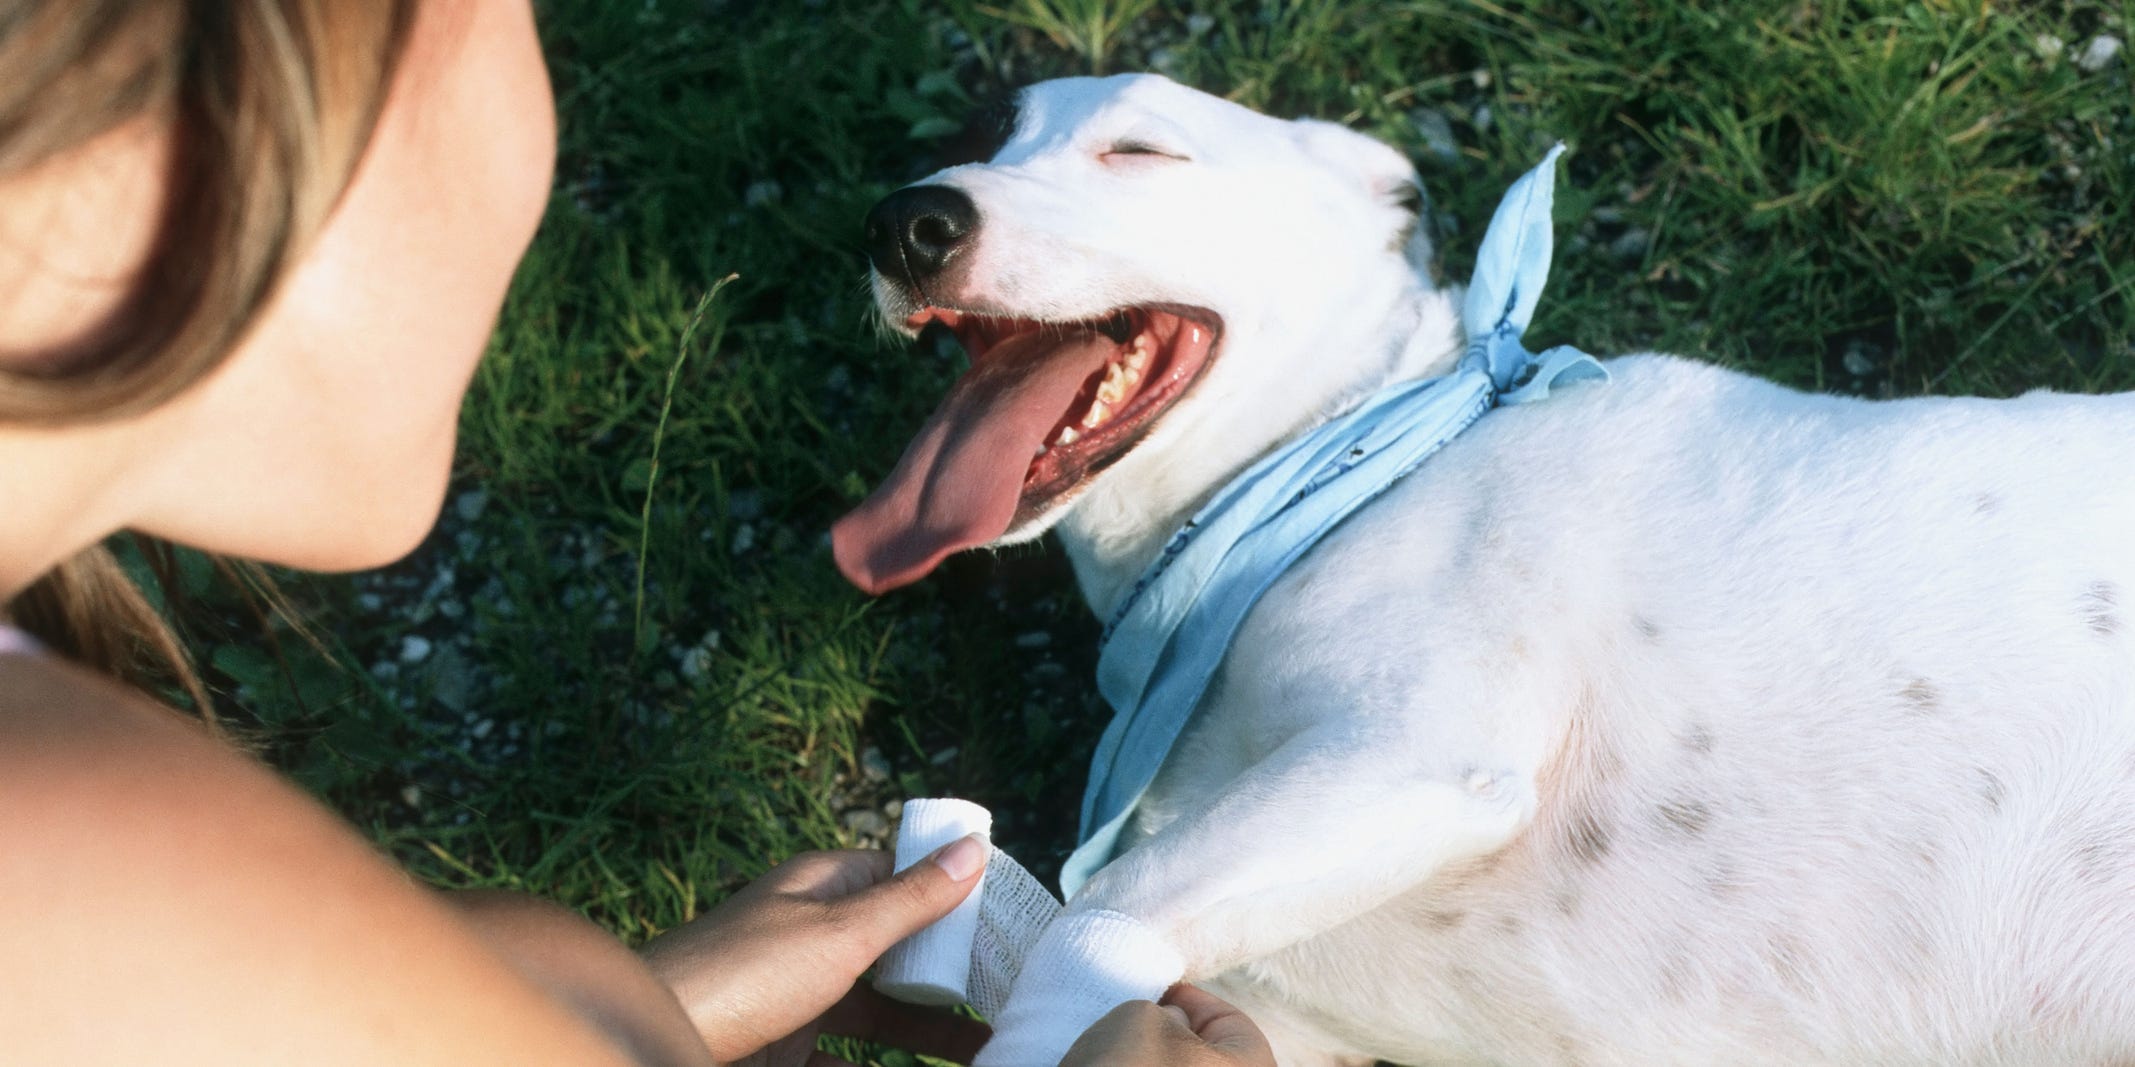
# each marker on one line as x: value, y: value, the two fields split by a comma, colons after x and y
x: 972, y: 955
x: 1068, y: 969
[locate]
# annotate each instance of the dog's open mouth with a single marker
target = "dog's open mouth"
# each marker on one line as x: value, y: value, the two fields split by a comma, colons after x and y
x: 1044, y: 407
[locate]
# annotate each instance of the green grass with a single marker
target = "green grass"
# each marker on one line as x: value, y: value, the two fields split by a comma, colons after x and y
x: 631, y: 587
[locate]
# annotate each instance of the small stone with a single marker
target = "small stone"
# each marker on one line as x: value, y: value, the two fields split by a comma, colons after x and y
x: 1034, y: 639
x: 874, y: 766
x: 894, y: 809
x: 411, y: 795
x: 865, y: 822
x: 696, y: 663
x: 1484, y: 119
x: 1199, y: 23
x: 482, y: 728
x: 452, y: 679
x: 1435, y: 130
x: 2048, y: 45
x: 1630, y: 246
x: 945, y: 756
x: 414, y: 649
x: 762, y: 192
x: 1857, y: 360
x: 744, y: 539
x: 469, y: 504
x: 370, y: 601
x: 2099, y: 53
x: 745, y: 505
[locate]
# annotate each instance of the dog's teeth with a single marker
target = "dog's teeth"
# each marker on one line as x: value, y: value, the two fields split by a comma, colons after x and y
x: 1068, y: 436
x: 1099, y: 412
x: 1114, y: 388
x: 1138, y: 359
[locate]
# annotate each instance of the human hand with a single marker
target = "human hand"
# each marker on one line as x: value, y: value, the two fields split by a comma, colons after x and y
x: 1191, y: 1028
x: 778, y: 962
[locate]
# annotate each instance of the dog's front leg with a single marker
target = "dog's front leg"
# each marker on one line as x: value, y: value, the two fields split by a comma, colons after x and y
x: 1323, y: 831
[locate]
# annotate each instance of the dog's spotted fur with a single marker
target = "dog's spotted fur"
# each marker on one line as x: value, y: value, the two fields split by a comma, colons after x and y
x: 1683, y: 720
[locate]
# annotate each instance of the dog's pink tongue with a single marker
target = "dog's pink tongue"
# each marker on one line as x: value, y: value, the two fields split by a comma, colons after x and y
x: 960, y: 478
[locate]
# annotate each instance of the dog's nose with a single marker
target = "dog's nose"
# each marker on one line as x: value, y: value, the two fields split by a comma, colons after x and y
x: 915, y: 231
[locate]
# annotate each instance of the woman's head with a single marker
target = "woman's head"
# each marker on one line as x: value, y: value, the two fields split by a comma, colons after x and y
x: 249, y: 253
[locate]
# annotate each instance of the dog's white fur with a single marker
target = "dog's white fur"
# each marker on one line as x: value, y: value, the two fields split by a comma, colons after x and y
x: 1683, y: 720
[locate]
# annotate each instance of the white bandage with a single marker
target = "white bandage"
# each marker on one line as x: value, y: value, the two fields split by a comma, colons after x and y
x: 1066, y: 969
x: 933, y: 966
x: 1086, y: 964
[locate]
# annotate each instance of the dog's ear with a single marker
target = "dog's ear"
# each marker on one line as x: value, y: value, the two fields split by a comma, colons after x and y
x: 989, y: 127
x: 1383, y: 170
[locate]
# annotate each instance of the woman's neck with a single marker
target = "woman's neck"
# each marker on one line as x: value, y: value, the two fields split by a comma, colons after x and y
x: 58, y: 495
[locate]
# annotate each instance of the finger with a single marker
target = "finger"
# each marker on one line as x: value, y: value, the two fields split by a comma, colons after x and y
x: 868, y: 1015
x: 888, y: 912
x: 830, y: 874
x: 1218, y: 1022
x: 1200, y: 1005
x: 1134, y: 1032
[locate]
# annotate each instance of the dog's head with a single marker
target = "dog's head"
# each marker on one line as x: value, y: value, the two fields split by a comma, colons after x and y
x: 1154, y: 285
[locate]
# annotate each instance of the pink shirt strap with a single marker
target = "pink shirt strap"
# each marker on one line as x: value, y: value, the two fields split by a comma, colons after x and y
x: 14, y: 642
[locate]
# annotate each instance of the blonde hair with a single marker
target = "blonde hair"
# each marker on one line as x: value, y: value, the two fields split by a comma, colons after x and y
x: 270, y: 103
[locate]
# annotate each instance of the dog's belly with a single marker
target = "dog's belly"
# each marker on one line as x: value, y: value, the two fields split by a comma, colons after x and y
x: 1850, y: 917
x: 1847, y: 767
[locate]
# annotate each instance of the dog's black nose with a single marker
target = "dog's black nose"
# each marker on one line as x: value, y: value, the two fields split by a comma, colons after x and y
x: 914, y: 232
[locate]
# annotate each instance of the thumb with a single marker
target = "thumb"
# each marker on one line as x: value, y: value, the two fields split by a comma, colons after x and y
x: 896, y: 908
x: 1219, y: 1023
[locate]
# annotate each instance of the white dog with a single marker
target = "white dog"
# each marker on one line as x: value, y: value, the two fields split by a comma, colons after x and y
x: 1684, y: 719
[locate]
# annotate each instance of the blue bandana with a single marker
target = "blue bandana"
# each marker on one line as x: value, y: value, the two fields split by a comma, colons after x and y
x: 1166, y: 640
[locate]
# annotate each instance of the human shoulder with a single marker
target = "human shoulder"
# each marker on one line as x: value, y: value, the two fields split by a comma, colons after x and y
x: 171, y: 900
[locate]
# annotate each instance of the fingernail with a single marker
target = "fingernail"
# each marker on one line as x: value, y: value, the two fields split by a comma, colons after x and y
x: 1179, y: 1015
x: 962, y: 858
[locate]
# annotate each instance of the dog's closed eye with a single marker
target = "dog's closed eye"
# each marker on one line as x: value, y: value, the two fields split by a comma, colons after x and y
x: 1124, y: 151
